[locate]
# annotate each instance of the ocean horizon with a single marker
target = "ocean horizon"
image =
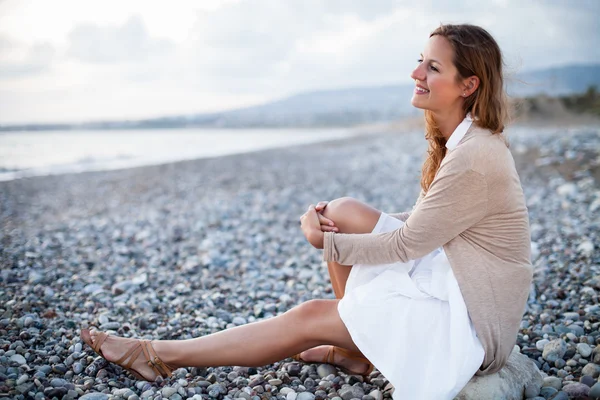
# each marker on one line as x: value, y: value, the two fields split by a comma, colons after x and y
x: 34, y: 153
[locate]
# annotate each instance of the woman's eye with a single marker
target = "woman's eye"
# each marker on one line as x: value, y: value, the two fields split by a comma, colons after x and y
x: 420, y: 60
x: 434, y: 68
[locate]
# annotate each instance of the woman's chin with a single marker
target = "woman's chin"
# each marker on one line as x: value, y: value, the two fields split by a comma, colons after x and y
x: 417, y: 103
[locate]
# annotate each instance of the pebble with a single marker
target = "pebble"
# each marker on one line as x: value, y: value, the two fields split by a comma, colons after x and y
x: 595, y: 391
x: 576, y: 390
x: 554, y: 350
x: 304, y: 396
x: 584, y: 349
x: 19, y: 359
x: 94, y: 396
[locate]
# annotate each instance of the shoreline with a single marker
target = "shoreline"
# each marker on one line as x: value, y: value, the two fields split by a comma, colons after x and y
x: 411, y: 125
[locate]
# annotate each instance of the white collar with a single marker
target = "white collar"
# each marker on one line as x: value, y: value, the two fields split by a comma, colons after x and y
x: 459, y: 132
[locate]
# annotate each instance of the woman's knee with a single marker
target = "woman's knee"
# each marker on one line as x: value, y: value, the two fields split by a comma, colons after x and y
x: 315, y: 310
x: 341, y: 206
x: 351, y: 215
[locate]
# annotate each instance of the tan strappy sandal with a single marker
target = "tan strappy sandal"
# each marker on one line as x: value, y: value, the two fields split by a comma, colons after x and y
x: 145, y: 346
x: 330, y: 357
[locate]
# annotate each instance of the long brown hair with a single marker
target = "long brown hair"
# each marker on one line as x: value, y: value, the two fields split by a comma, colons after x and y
x: 475, y: 53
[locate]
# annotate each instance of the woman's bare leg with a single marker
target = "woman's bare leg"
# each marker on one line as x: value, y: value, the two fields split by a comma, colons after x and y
x: 350, y: 216
x: 309, y: 324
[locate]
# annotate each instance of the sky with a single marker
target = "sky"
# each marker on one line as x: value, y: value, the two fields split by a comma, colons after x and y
x: 82, y: 60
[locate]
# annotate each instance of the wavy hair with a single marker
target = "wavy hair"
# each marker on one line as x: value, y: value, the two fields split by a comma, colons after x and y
x: 475, y: 53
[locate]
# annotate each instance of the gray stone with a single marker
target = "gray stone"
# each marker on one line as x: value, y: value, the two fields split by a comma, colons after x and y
x: 305, y: 396
x: 595, y: 391
x: 548, y: 392
x: 325, y: 370
x: 596, y: 355
x: 94, y: 396
x: 168, y: 391
x: 554, y: 350
x: 376, y: 394
x: 560, y: 396
x: 552, y: 381
x: 576, y: 390
x: 587, y: 380
x: 591, y: 369
x: 509, y: 383
x: 584, y: 349
x: 19, y: 359
x: 352, y: 392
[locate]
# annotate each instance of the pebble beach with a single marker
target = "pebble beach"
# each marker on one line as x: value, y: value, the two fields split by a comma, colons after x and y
x: 185, y: 249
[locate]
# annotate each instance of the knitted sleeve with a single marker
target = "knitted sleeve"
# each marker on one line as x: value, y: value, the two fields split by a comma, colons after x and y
x: 456, y: 200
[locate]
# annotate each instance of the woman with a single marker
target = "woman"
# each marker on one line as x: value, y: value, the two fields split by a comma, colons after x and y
x: 429, y: 297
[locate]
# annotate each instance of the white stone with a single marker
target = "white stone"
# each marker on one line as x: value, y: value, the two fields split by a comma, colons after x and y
x: 586, y: 248
x: 507, y: 384
x: 567, y: 190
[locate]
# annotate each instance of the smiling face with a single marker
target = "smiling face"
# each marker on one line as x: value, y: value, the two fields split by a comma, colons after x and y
x: 435, y: 77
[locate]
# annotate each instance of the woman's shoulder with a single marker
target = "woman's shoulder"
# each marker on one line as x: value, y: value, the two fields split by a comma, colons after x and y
x: 481, y: 150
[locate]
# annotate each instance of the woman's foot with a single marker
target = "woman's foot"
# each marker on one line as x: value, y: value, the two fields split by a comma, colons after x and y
x: 318, y: 354
x: 114, y: 348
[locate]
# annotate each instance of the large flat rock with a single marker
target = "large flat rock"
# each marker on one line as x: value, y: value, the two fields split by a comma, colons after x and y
x: 509, y: 383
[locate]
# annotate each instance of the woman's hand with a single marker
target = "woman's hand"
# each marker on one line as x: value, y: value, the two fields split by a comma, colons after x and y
x: 327, y: 225
x: 311, y: 227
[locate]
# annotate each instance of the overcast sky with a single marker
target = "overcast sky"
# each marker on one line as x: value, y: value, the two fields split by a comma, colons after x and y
x: 76, y: 60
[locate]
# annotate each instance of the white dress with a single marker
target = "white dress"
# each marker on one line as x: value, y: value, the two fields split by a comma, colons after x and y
x: 411, y: 322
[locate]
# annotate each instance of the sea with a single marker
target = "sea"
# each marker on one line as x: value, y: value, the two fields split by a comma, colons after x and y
x: 39, y: 153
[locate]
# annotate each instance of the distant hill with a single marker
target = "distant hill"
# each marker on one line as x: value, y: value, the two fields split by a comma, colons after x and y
x: 558, y: 81
x: 344, y: 107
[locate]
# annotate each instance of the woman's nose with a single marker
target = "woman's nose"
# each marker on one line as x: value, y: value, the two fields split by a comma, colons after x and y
x: 418, y: 73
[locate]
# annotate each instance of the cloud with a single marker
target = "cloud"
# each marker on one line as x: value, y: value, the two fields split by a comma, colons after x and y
x: 116, y: 44
x: 237, y: 52
x: 18, y: 61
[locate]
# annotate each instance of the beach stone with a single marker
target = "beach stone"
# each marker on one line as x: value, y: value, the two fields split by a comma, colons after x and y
x: 94, y: 396
x: 305, y: 396
x: 541, y: 343
x: 595, y: 391
x: 509, y: 383
x: 560, y: 396
x: 576, y: 390
x: 554, y: 350
x: 19, y: 359
x: 325, y: 370
x: 352, y: 392
x: 584, y: 349
x: 587, y: 380
x: 168, y: 392
x: 376, y: 394
x: 552, y: 381
x: 586, y: 248
x: 596, y: 355
x: 591, y: 369
x: 547, y: 392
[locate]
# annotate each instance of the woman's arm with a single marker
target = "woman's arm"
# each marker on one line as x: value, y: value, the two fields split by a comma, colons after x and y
x: 456, y: 200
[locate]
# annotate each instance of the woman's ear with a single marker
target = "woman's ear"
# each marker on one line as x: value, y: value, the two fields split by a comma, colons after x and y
x: 470, y: 85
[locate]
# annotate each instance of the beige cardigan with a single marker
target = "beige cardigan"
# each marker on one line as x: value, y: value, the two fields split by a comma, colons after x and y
x: 475, y: 209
